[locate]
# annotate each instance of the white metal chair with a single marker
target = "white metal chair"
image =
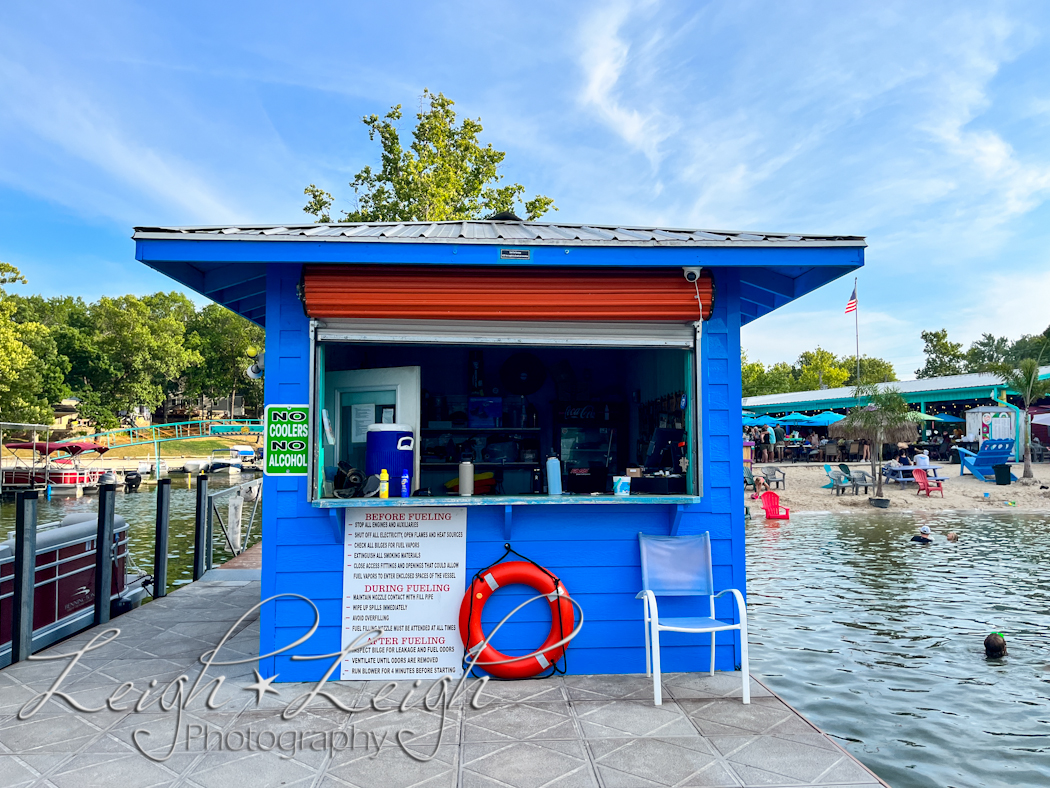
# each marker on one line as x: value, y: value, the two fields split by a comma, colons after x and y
x: 681, y: 566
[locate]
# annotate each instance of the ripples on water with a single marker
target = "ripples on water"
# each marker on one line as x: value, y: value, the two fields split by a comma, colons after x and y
x: 879, y: 641
x: 140, y: 510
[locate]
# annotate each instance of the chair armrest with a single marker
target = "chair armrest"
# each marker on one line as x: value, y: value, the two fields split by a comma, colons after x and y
x: 965, y: 452
x: 740, y: 606
x: 649, y: 598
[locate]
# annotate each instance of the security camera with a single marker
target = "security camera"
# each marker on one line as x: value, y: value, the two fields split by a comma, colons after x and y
x: 692, y: 274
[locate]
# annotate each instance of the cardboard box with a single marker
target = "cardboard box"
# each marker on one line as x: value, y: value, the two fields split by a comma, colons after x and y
x: 634, y: 472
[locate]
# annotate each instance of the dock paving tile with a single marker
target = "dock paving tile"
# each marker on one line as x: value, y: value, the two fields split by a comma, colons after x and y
x: 14, y: 771
x: 610, y: 687
x: 552, y: 691
x: 534, y: 764
x: 770, y: 760
x: 255, y: 769
x: 97, y: 770
x: 62, y: 733
x: 691, y: 686
x: 391, y: 768
x: 620, y: 718
x: 731, y: 717
x: 660, y: 763
x: 519, y: 722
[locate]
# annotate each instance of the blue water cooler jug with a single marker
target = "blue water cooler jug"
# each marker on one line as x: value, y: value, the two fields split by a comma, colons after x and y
x: 390, y: 446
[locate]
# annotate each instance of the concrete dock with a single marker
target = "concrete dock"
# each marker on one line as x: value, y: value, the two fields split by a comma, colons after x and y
x: 563, y: 732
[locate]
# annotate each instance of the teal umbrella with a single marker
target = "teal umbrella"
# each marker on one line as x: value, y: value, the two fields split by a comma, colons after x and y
x: 796, y: 418
x: 825, y: 419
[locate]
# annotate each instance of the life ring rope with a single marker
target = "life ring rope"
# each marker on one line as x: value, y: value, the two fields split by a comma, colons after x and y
x: 478, y: 650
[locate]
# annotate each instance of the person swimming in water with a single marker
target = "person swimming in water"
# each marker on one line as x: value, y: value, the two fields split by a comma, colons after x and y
x: 924, y: 536
x: 995, y: 645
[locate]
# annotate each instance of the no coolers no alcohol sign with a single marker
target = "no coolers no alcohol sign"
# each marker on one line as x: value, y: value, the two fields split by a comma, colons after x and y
x: 286, y: 440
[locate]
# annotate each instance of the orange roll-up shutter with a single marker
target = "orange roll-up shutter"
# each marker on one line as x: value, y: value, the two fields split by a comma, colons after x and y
x: 546, y: 294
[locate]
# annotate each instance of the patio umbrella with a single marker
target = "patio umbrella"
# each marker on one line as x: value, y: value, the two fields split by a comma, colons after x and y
x: 825, y: 419
x: 796, y: 418
x: 1042, y: 419
x: 954, y: 419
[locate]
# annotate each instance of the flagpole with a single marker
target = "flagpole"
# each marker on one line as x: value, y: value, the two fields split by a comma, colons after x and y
x: 856, y: 323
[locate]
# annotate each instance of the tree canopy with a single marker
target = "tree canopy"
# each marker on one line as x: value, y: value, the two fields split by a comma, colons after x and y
x: 117, y: 353
x: 444, y: 174
x: 813, y: 369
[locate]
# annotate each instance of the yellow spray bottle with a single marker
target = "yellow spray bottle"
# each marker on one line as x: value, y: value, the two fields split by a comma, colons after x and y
x: 384, y: 484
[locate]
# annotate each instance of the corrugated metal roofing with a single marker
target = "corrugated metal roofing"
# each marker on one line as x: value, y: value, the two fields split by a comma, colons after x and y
x: 486, y: 231
x: 946, y: 384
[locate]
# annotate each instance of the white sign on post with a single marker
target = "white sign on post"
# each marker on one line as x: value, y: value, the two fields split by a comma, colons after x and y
x: 404, y: 572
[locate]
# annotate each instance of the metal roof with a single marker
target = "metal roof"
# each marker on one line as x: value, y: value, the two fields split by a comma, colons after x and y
x: 949, y: 387
x: 498, y: 232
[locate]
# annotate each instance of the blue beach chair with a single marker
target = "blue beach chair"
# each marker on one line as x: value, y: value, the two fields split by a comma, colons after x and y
x: 997, y: 451
x: 681, y: 566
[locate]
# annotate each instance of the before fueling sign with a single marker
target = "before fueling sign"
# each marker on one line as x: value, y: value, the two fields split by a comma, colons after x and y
x: 404, y: 573
x: 286, y: 433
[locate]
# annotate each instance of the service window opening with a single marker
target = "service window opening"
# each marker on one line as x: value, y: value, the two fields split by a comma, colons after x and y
x: 603, y: 412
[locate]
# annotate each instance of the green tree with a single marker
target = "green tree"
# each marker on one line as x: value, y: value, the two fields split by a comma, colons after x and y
x: 987, y: 353
x: 881, y: 416
x: 872, y: 370
x: 1024, y: 379
x: 757, y: 381
x: 444, y: 174
x: 223, y: 338
x: 143, y: 342
x: 32, y: 373
x: 819, y: 369
x: 942, y: 356
x: 1028, y: 346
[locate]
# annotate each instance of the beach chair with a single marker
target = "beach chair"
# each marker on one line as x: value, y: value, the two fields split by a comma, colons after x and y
x: 681, y: 566
x: 854, y: 451
x: 771, y: 504
x: 846, y: 471
x: 775, y: 476
x: 831, y: 451
x: 749, y: 478
x: 862, y: 479
x: 830, y: 484
x: 840, y: 483
x: 925, y: 483
x: 993, y: 452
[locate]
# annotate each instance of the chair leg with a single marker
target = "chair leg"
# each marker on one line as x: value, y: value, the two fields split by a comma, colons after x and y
x: 658, y: 694
x: 648, y: 657
x: 712, y: 653
x: 743, y: 658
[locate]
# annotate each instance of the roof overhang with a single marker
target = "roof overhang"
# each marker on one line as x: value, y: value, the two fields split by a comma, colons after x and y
x: 229, y: 265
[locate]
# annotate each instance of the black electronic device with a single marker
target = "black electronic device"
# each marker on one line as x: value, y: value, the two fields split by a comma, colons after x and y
x: 665, y: 449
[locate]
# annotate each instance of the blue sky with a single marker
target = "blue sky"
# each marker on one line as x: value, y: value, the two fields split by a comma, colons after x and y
x: 923, y: 126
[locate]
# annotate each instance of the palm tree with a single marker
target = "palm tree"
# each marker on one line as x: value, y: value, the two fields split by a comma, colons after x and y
x: 885, y: 417
x: 1025, y: 381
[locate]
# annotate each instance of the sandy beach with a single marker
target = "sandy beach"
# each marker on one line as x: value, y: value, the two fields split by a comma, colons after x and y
x: 803, y: 491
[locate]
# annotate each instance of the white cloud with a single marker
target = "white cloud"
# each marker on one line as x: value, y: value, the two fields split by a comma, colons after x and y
x: 605, y: 57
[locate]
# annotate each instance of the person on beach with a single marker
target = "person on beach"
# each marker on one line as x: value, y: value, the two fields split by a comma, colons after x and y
x: 761, y: 485
x: 995, y: 646
x: 902, y: 458
x: 924, y: 536
x: 923, y: 460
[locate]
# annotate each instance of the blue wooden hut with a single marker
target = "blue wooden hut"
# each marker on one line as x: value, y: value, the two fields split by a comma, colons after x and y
x: 615, y: 348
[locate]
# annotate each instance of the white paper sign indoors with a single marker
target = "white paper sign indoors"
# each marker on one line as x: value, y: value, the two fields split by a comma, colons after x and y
x: 404, y: 573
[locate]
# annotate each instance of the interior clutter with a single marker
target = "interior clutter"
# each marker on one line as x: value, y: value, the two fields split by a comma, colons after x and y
x: 503, y: 421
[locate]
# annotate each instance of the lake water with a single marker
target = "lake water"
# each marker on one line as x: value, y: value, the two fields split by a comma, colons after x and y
x: 879, y: 641
x: 140, y: 511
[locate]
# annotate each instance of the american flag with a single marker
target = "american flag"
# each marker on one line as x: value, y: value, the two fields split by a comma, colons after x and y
x: 851, y: 305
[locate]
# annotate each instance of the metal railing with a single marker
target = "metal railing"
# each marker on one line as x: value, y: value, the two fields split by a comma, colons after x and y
x: 22, y: 643
x: 181, y: 430
x: 232, y: 529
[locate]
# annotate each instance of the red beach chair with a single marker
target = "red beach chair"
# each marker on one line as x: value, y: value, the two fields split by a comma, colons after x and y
x: 921, y: 479
x: 774, y: 511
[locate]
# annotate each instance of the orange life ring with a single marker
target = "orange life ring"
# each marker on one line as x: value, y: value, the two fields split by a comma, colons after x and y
x: 510, y: 573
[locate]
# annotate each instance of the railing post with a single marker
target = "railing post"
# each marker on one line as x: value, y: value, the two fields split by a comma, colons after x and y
x: 104, y: 552
x: 160, y: 546
x: 210, y: 546
x: 25, y: 576
x: 200, y: 528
